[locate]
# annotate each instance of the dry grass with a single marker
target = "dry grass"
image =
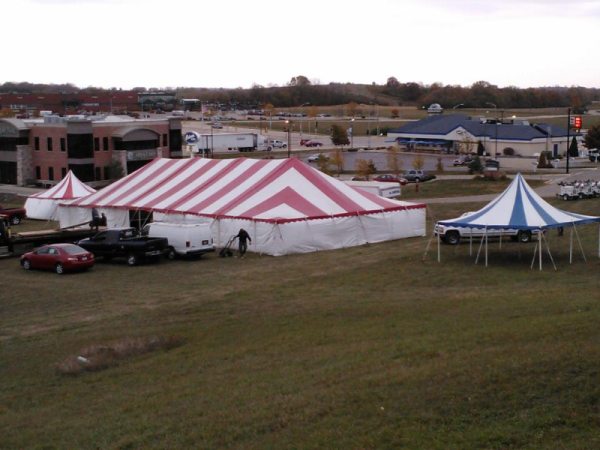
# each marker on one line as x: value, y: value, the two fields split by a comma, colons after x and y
x: 102, y: 357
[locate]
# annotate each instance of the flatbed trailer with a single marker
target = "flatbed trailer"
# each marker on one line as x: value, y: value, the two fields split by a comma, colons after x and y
x: 23, y: 242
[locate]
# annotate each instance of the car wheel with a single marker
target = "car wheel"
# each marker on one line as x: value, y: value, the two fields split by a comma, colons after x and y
x: 452, y: 237
x: 525, y: 236
x: 26, y: 264
x: 417, y: 180
x: 15, y: 220
x: 59, y: 269
x: 284, y: 145
x: 171, y: 254
x: 132, y: 260
x: 565, y: 197
x: 580, y: 196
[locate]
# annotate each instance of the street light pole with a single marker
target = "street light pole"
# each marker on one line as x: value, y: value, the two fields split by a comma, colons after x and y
x: 352, y: 133
x: 568, y: 135
x: 458, y: 106
x: 289, y: 132
x: 302, y: 117
x: 496, y: 133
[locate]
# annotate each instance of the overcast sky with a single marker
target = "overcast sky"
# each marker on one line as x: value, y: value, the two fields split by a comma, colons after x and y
x: 159, y: 43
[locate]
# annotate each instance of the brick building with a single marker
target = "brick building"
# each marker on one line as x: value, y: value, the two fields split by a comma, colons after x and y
x: 43, y: 150
x: 70, y: 103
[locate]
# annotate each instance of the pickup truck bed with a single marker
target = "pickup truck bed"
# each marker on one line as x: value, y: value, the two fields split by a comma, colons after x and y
x: 125, y: 242
x: 14, y: 215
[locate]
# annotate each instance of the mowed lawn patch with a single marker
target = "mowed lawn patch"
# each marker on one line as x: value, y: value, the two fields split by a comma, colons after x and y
x: 369, y: 347
x: 458, y: 188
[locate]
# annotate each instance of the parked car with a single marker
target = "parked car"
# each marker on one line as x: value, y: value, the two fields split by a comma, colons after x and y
x: 416, y: 176
x: 313, y: 144
x: 314, y: 158
x: 14, y: 215
x: 217, y: 125
x: 387, y: 178
x: 58, y: 257
x: 357, y: 178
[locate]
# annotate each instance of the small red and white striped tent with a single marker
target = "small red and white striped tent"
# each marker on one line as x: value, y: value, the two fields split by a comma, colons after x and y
x: 285, y: 205
x: 44, y: 206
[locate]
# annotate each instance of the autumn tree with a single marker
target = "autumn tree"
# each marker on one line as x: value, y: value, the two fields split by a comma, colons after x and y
x: 394, y: 162
x: 352, y: 108
x: 440, y: 164
x: 365, y: 168
x: 269, y: 109
x: 418, y: 162
x: 6, y: 112
x: 337, y: 160
x: 592, y: 138
x: 339, y: 137
x: 313, y: 111
x: 323, y: 164
x: 466, y: 145
x: 395, y: 113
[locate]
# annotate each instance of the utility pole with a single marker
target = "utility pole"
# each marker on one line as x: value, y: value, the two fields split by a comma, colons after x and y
x: 568, y: 135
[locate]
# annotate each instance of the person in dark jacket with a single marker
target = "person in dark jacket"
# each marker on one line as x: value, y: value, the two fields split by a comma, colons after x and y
x: 96, y: 219
x: 243, y: 236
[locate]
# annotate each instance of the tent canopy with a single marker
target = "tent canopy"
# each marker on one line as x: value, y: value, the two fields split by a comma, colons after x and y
x: 519, y: 208
x: 70, y: 187
x: 273, y: 191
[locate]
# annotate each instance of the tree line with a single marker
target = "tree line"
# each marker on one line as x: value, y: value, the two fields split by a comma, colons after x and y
x: 301, y: 90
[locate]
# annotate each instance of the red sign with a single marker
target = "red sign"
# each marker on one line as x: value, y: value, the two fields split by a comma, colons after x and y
x: 576, y: 122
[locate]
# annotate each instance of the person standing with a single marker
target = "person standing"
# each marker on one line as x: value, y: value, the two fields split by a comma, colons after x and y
x: 243, y: 236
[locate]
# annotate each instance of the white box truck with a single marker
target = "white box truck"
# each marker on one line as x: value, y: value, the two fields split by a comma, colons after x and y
x: 184, y: 239
x: 243, y: 142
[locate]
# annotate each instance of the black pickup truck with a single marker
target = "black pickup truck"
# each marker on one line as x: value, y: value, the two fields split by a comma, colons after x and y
x: 125, y: 242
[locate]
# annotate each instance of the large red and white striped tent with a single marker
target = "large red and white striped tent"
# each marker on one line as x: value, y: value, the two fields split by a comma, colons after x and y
x: 286, y: 205
x: 44, y: 205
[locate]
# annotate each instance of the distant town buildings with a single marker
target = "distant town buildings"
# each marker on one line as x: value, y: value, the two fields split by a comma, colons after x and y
x: 43, y: 150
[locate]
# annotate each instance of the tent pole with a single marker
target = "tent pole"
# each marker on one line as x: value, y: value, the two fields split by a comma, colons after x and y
x: 470, y: 241
x: 579, y: 240
x: 534, y: 255
x: 571, y: 247
x: 439, y: 251
x: 486, y: 247
x: 429, y: 243
x: 540, y: 245
x: 480, y: 247
x: 548, y: 248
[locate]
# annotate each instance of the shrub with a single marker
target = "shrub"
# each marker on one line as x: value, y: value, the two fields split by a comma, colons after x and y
x: 476, y: 166
x: 440, y: 164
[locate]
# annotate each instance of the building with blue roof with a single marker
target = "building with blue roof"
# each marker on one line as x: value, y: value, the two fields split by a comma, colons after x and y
x: 459, y: 133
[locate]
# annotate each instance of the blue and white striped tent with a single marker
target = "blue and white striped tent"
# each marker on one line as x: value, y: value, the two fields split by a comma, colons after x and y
x: 520, y: 208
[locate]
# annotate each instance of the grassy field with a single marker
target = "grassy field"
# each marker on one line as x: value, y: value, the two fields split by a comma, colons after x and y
x: 458, y: 188
x: 384, y: 351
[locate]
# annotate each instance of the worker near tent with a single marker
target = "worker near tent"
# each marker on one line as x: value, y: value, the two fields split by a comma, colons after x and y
x: 243, y: 236
x: 96, y: 219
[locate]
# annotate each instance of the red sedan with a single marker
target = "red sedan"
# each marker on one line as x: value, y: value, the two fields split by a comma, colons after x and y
x: 391, y: 179
x: 58, y: 257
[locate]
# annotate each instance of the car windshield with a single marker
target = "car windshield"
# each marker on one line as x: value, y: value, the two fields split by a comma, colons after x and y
x: 73, y: 249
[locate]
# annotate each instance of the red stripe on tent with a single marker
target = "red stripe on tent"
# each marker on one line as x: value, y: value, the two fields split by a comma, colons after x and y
x: 195, y: 174
x: 92, y: 201
x: 208, y: 182
x: 320, y: 183
x: 142, y: 184
x: 69, y: 191
x: 289, y: 197
x: 183, y: 165
x: 249, y: 172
